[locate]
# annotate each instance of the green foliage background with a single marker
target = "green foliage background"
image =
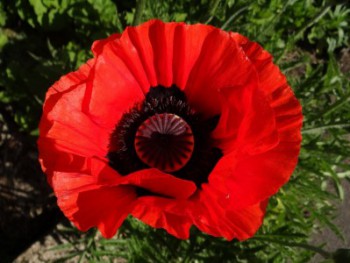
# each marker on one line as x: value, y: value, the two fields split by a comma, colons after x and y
x: 40, y: 40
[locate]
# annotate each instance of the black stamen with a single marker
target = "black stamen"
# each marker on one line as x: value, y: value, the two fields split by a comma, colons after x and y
x: 160, y: 100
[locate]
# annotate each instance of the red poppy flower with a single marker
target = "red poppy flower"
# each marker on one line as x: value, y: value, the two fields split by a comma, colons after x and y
x: 175, y: 124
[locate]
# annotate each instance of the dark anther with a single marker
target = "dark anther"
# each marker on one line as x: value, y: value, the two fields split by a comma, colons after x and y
x: 164, y: 132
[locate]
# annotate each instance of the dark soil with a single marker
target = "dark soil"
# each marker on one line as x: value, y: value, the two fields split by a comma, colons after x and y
x: 28, y: 210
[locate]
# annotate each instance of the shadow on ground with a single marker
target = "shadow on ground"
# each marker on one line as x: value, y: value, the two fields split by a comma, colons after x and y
x: 28, y: 209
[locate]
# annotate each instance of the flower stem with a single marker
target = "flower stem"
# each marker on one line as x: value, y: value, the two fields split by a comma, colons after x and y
x: 320, y: 129
x: 232, y: 17
x: 214, y: 4
x: 140, y: 6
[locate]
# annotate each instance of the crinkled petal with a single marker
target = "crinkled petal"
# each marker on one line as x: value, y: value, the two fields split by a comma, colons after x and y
x: 59, y: 159
x: 64, y: 122
x: 98, y: 45
x: 161, y: 38
x: 89, y: 172
x: 247, y: 123
x: 164, y: 213
x: 218, y: 218
x: 253, y: 178
x: 90, y: 208
x: 214, y: 71
x: 188, y: 44
x: 91, y: 198
x: 250, y: 176
x: 273, y: 83
x: 111, y: 89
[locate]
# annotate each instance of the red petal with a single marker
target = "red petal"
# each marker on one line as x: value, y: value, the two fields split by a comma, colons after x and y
x: 164, y: 213
x: 87, y: 172
x: 248, y: 179
x: 98, y: 45
x: 274, y: 84
x: 126, y: 51
x: 146, y: 50
x: 246, y: 221
x: 90, y: 198
x: 71, y: 80
x: 160, y: 183
x: 161, y: 37
x: 251, y: 179
x: 90, y: 209
x: 64, y: 121
x: 214, y: 71
x: 247, y: 123
x: 188, y: 42
x: 112, y: 89
x: 220, y: 219
x: 257, y: 132
x: 154, y: 44
x: 53, y: 158
x: 139, y: 36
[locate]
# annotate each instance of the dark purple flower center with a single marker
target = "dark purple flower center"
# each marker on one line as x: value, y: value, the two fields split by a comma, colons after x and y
x: 164, y: 141
x: 164, y: 132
